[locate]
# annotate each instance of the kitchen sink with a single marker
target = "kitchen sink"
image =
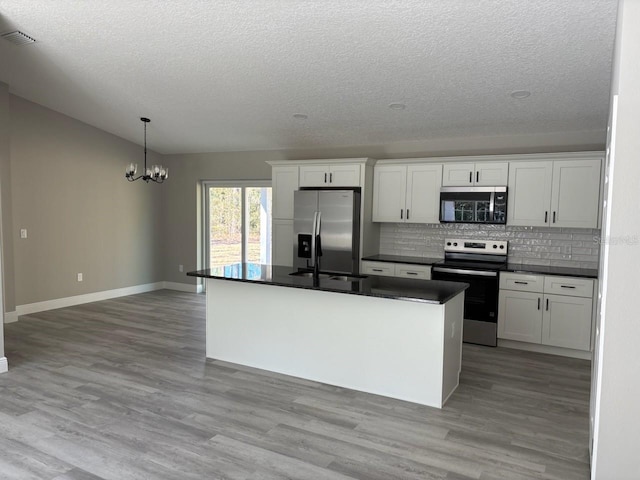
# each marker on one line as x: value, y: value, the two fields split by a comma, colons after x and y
x: 348, y: 278
x: 330, y: 276
x: 309, y: 274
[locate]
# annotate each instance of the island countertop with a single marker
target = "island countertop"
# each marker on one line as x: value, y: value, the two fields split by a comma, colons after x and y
x: 425, y: 291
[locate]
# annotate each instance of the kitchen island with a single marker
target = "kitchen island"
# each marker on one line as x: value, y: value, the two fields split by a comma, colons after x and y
x: 396, y: 337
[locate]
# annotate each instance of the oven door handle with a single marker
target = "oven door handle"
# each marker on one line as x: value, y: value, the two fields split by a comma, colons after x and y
x: 459, y: 271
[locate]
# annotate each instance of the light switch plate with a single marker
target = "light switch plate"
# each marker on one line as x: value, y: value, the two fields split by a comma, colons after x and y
x: 23, y: 233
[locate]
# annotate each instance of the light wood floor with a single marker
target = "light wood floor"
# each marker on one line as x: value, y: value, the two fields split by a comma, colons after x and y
x: 120, y: 390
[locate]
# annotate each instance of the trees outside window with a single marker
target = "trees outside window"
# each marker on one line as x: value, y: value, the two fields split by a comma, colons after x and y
x: 237, y: 223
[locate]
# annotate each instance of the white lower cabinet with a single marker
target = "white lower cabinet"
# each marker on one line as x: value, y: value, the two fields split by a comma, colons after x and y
x: 388, y: 269
x: 520, y: 316
x: 567, y: 322
x: 531, y: 311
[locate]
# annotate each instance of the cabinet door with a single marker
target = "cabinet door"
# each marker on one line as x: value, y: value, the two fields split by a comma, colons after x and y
x: 576, y: 193
x: 458, y: 174
x: 567, y: 322
x: 282, y: 242
x: 520, y: 316
x: 314, y: 175
x: 389, y: 192
x: 284, y: 181
x: 344, y: 176
x: 529, y: 193
x: 423, y: 193
x: 492, y: 174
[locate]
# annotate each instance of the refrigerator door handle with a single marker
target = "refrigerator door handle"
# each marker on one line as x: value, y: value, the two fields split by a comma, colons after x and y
x: 313, y: 240
x: 318, y: 252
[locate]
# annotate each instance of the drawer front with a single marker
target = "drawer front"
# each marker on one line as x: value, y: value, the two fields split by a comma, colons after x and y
x: 423, y: 272
x: 521, y: 282
x: 571, y: 286
x: 378, y: 268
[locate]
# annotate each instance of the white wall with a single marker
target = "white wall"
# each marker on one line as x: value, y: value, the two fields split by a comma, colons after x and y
x: 617, y: 408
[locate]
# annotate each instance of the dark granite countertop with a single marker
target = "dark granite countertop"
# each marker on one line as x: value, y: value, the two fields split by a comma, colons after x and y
x: 402, y: 259
x: 425, y: 291
x: 551, y: 270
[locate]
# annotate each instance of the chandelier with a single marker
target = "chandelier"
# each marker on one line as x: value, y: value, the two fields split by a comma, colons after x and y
x: 155, y: 173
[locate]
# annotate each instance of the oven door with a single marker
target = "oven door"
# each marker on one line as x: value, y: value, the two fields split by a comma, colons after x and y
x: 480, y: 302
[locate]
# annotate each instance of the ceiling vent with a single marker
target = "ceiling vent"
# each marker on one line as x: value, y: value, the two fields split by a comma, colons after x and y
x: 18, y: 38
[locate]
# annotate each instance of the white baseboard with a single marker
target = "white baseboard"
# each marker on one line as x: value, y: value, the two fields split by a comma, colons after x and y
x: 10, y: 317
x: 183, y: 287
x: 534, y: 347
x: 4, y: 365
x: 86, y: 298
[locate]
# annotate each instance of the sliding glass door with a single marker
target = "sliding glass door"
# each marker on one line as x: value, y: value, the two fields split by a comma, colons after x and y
x: 237, y: 223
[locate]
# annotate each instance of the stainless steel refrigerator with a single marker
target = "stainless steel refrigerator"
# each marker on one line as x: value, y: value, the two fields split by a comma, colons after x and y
x: 327, y: 222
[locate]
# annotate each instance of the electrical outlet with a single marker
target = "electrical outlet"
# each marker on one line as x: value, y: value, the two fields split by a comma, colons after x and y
x: 23, y: 233
x: 567, y: 250
x: 79, y: 277
x: 181, y: 268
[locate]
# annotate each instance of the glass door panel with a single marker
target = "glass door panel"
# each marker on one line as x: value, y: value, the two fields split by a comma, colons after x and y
x: 225, y: 226
x: 258, y: 238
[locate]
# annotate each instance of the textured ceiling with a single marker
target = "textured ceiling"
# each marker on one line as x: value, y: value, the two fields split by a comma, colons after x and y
x: 229, y: 75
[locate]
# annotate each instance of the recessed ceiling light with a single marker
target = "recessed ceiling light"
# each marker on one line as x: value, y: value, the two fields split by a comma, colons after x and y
x: 300, y: 116
x: 520, y: 94
x: 18, y: 38
x: 397, y: 106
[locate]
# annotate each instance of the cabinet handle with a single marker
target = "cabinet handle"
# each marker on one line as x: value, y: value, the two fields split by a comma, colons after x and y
x: 377, y: 269
x: 407, y: 214
x: 546, y: 217
x: 538, y: 303
x: 412, y: 273
x: 547, y: 307
x: 470, y: 177
x: 477, y: 176
x: 567, y: 286
x: 401, y: 210
x: 521, y: 283
x: 325, y: 178
x: 554, y: 217
x: 331, y: 177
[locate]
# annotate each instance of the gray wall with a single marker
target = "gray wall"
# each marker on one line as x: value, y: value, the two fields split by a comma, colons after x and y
x: 7, y: 300
x: 616, y: 436
x: 68, y: 190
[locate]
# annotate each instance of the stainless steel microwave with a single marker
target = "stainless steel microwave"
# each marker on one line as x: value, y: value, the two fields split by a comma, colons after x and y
x: 473, y: 205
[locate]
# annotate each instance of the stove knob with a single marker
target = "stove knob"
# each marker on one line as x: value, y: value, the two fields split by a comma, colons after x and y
x: 448, y: 244
x: 495, y: 246
x: 502, y: 247
x: 455, y: 244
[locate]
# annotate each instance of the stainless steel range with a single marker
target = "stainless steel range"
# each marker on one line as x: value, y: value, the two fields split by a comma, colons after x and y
x: 478, y: 263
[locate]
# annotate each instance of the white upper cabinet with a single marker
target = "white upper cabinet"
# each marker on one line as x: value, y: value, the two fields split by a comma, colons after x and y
x: 389, y: 193
x: 331, y: 175
x: 529, y: 193
x: 284, y: 181
x: 481, y: 174
x: 423, y: 193
x: 407, y: 193
x: 575, y: 193
x: 561, y: 193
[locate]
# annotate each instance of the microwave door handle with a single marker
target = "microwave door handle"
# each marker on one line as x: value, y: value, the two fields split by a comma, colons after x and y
x: 491, y: 205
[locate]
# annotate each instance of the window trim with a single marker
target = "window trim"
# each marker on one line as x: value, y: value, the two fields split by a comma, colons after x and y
x: 243, y: 184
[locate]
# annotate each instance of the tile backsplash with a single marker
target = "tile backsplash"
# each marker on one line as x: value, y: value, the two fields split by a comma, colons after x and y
x: 563, y: 247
